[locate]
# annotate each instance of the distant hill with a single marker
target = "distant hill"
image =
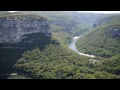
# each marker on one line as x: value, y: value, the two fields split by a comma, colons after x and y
x: 106, y: 19
x: 66, y: 24
x: 104, y: 39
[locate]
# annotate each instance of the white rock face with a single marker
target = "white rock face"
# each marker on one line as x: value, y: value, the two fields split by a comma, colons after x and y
x: 13, y: 28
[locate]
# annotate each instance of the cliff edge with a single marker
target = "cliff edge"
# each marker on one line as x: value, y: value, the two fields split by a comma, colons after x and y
x: 12, y: 28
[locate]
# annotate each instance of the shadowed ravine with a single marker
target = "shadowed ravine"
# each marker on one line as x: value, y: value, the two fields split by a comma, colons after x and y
x: 73, y: 47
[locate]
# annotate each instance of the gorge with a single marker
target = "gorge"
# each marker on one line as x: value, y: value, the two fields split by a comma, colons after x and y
x: 47, y: 45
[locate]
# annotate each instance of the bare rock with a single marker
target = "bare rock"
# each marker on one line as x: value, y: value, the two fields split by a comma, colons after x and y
x: 12, y: 28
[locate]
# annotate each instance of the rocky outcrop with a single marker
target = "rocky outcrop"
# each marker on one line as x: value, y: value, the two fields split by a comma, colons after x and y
x: 12, y: 28
x: 115, y: 32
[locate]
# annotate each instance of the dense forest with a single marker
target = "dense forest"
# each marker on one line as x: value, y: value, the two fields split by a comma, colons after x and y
x: 40, y: 57
x: 58, y: 62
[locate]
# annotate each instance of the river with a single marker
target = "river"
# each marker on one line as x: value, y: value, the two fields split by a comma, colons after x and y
x: 72, y: 46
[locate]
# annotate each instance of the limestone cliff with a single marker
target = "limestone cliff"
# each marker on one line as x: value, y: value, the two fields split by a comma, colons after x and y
x: 12, y: 28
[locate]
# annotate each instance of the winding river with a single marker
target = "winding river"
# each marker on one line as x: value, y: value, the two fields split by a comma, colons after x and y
x: 73, y: 47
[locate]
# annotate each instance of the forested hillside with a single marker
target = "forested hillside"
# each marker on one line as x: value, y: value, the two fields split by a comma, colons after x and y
x: 56, y: 62
x: 104, y: 39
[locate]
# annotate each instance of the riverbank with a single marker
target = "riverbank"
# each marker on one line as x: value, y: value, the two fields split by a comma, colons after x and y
x: 72, y: 46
